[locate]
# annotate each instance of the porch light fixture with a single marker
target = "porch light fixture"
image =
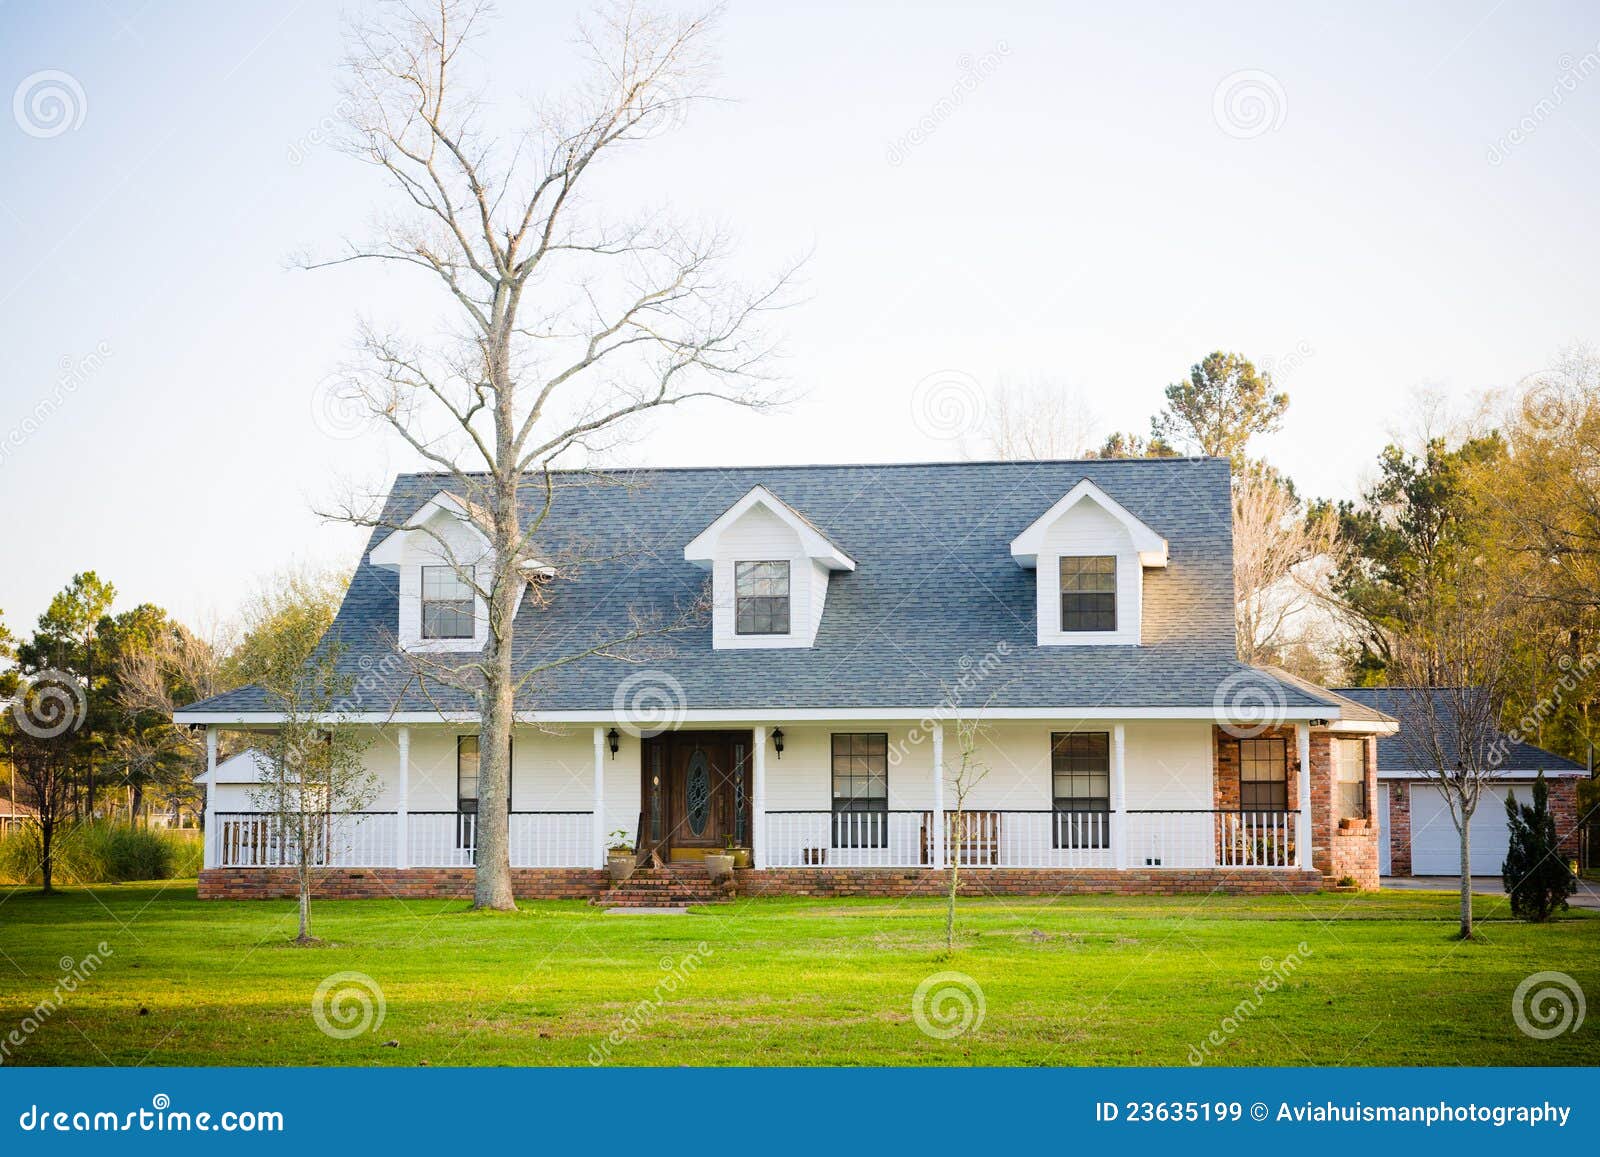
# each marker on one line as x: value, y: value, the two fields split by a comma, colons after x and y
x: 614, y: 740
x: 1319, y: 723
x: 777, y: 741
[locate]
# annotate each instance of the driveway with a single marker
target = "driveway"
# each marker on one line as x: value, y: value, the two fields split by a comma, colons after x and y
x: 1587, y: 895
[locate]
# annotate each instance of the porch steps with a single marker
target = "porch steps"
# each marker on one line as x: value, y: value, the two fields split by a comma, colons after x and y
x: 677, y: 886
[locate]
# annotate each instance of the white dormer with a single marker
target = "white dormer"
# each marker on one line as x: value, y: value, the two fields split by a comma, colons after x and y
x: 769, y: 573
x: 435, y: 552
x: 1089, y: 554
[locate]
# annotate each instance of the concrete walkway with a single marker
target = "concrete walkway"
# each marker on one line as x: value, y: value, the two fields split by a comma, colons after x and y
x: 1587, y: 895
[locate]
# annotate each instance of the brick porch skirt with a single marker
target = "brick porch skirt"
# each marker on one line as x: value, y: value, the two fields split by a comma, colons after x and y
x: 584, y: 884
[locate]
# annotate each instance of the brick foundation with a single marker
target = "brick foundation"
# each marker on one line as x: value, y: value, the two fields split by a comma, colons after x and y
x: 1019, y: 882
x: 582, y: 884
x: 396, y: 883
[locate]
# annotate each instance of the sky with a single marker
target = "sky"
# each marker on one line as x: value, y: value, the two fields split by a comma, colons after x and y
x: 1373, y: 200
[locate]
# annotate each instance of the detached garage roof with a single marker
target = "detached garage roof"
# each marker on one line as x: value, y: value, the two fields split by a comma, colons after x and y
x: 1396, y: 759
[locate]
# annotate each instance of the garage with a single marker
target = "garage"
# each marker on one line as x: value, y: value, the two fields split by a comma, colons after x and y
x: 1435, y: 845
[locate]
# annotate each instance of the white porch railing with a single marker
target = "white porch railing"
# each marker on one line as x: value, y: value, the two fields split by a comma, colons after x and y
x: 353, y: 840
x: 538, y: 839
x: 371, y: 840
x: 1032, y: 839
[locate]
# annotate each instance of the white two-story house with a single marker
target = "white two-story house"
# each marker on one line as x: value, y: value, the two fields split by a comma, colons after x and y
x: 1049, y: 643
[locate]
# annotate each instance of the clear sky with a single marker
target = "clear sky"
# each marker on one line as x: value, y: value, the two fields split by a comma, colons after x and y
x: 1372, y: 198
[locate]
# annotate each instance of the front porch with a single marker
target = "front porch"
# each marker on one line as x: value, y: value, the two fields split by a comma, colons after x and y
x: 851, y: 806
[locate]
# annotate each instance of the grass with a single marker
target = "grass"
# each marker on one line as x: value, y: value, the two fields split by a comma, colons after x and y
x: 1087, y: 980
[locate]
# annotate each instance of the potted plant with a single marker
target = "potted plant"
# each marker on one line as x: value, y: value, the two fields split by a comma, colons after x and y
x: 620, y: 858
x: 741, y: 857
x: 719, y: 865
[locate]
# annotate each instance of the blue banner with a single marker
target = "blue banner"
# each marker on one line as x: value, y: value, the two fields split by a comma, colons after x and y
x: 800, y: 1111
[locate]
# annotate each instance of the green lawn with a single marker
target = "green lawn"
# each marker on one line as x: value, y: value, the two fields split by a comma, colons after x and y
x: 1089, y: 980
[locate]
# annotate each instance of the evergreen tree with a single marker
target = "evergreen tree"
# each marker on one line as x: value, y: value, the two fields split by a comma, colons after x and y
x: 1535, y: 875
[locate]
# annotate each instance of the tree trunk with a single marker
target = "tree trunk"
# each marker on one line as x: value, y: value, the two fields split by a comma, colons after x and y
x: 955, y: 883
x: 46, y: 851
x: 492, y: 885
x: 1466, y: 877
x: 305, y: 907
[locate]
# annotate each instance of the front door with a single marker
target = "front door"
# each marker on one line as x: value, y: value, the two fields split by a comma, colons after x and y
x: 706, y: 794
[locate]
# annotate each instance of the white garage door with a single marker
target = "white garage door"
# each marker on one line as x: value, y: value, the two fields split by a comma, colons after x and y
x: 1383, y: 830
x: 1435, y: 845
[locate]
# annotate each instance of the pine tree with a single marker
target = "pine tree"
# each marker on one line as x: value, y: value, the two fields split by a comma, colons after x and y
x: 1536, y: 877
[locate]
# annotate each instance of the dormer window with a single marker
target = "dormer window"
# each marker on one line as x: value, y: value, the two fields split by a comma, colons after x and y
x: 1089, y: 554
x: 761, y: 598
x: 770, y: 568
x: 447, y: 604
x: 1089, y: 592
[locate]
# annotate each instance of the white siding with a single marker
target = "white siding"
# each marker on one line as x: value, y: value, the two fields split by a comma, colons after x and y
x: 1088, y: 529
x: 761, y: 536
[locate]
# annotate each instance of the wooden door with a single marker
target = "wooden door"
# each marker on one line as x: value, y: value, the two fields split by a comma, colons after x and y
x: 707, y: 792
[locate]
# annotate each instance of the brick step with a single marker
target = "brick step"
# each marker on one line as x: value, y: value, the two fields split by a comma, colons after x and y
x: 617, y: 898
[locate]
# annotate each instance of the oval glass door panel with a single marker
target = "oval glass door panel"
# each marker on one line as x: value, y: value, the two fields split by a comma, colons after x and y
x: 697, y: 793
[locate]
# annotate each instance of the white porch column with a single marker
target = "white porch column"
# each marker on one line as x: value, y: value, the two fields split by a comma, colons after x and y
x: 209, y: 854
x: 402, y: 801
x: 758, y: 799
x: 939, y: 825
x: 1119, y: 797
x: 1302, y: 843
x: 599, y: 856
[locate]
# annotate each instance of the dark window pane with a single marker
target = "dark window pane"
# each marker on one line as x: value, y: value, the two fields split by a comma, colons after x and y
x: 860, y: 790
x: 1089, y: 593
x: 447, y: 604
x: 761, y: 598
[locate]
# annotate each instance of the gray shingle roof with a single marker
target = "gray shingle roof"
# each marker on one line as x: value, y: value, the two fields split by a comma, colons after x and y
x: 935, y: 590
x: 1396, y: 756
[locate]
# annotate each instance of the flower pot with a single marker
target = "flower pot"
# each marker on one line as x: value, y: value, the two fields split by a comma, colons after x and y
x: 741, y: 857
x: 621, y: 865
x: 1353, y: 825
x: 719, y: 866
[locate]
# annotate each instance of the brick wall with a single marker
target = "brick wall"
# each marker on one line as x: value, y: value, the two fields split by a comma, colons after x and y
x: 1020, y: 882
x: 582, y: 884
x: 396, y: 883
x: 1353, y: 851
x: 1564, y: 806
x: 1399, y: 833
x: 1334, y: 852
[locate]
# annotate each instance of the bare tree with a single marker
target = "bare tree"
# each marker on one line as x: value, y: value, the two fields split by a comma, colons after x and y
x: 567, y: 324
x: 970, y: 770
x: 1039, y: 420
x: 1452, y: 660
x: 316, y: 782
x: 1279, y: 586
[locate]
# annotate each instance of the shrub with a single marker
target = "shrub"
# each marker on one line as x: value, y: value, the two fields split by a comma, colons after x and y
x: 100, y: 853
x: 1536, y: 877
